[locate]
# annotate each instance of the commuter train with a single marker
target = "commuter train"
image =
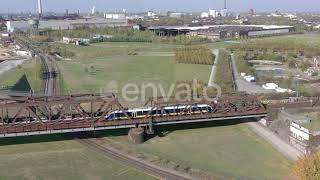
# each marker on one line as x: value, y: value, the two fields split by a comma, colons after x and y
x: 166, y: 111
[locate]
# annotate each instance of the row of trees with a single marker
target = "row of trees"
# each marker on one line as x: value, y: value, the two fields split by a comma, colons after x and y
x: 291, y: 47
x: 181, y: 39
x: 122, y: 34
x: 224, y: 75
x: 194, y: 55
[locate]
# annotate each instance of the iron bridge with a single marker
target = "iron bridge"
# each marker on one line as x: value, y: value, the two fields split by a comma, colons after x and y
x: 25, y: 116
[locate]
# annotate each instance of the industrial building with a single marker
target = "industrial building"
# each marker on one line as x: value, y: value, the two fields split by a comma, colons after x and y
x: 66, y: 24
x: 216, y: 32
x: 115, y: 16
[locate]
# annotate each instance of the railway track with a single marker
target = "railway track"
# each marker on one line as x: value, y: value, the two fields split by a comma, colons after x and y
x: 49, y: 68
x: 133, y: 162
x: 49, y: 75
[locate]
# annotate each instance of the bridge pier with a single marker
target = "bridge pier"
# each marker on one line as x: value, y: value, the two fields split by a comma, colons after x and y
x: 136, y: 135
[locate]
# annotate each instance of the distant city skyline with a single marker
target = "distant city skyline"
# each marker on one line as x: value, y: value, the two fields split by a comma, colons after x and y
x: 16, y: 6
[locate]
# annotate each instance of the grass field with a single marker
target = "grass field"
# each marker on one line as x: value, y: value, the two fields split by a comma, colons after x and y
x: 314, y: 125
x: 212, y: 151
x: 310, y: 38
x: 221, y: 152
x: 95, y: 66
x: 58, y: 160
x: 30, y: 68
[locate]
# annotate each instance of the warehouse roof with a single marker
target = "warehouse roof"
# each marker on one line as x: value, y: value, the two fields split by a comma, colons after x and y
x: 181, y: 28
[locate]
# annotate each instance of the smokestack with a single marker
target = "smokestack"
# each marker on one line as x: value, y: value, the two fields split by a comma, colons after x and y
x: 40, y: 8
x: 225, y: 4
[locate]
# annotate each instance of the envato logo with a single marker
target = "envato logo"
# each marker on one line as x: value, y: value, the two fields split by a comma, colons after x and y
x: 132, y: 92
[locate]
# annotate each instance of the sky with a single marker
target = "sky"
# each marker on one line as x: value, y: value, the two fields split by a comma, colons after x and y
x: 159, y: 5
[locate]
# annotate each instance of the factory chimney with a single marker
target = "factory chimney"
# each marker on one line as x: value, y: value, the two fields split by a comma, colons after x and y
x: 225, y: 4
x: 40, y: 8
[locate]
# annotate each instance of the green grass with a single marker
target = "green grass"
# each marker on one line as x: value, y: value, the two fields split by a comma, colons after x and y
x: 223, y: 75
x: 59, y: 160
x: 30, y: 68
x: 94, y: 67
x: 107, y: 49
x: 314, y: 125
x: 223, y: 152
x: 221, y: 45
x: 310, y: 38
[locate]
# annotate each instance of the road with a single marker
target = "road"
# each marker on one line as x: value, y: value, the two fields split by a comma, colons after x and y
x: 287, y: 150
x: 10, y: 64
x: 214, y: 67
x: 243, y: 85
x: 283, y: 147
x: 139, y: 164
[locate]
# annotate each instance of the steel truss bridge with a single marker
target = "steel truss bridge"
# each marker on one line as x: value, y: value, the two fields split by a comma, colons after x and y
x: 25, y: 116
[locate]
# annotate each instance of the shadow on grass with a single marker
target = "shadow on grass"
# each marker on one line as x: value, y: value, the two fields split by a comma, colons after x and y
x: 159, y: 131
x: 162, y: 131
x: 33, y: 139
x: 22, y: 85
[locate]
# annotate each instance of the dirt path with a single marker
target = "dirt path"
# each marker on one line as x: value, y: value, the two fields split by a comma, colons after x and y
x: 287, y: 150
x: 214, y: 67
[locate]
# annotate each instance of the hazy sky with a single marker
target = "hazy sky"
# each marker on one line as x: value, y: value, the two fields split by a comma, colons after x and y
x: 143, y: 5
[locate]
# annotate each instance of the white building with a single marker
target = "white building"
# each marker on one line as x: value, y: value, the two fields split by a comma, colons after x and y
x: 317, y: 26
x: 224, y: 12
x: 24, y: 53
x: 299, y: 135
x: 151, y: 14
x: 299, y: 132
x: 204, y: 15
x: 213, y: 13
x: 270, y: 86
x: 14, y: 25
x: 115, y: 16
x: 176, y: 15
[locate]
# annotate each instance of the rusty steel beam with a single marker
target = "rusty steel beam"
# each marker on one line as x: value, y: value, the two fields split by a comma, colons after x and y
x: 20, y: 115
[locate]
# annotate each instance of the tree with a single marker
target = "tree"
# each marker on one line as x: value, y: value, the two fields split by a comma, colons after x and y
x: 308, y: 167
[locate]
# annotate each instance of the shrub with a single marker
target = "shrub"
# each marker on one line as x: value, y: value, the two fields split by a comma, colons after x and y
x: 308, y: 167
x: 194, y: 55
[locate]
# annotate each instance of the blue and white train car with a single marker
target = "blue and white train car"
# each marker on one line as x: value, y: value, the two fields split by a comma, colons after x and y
x: 166, y: 111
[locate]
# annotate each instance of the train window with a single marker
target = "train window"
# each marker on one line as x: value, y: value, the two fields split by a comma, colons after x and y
x: 194, y: 109
x: 146, y: 112
x: 170, y: 111
x: 204, y: 109
x: 110, y: 117
x: 139, y: 113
